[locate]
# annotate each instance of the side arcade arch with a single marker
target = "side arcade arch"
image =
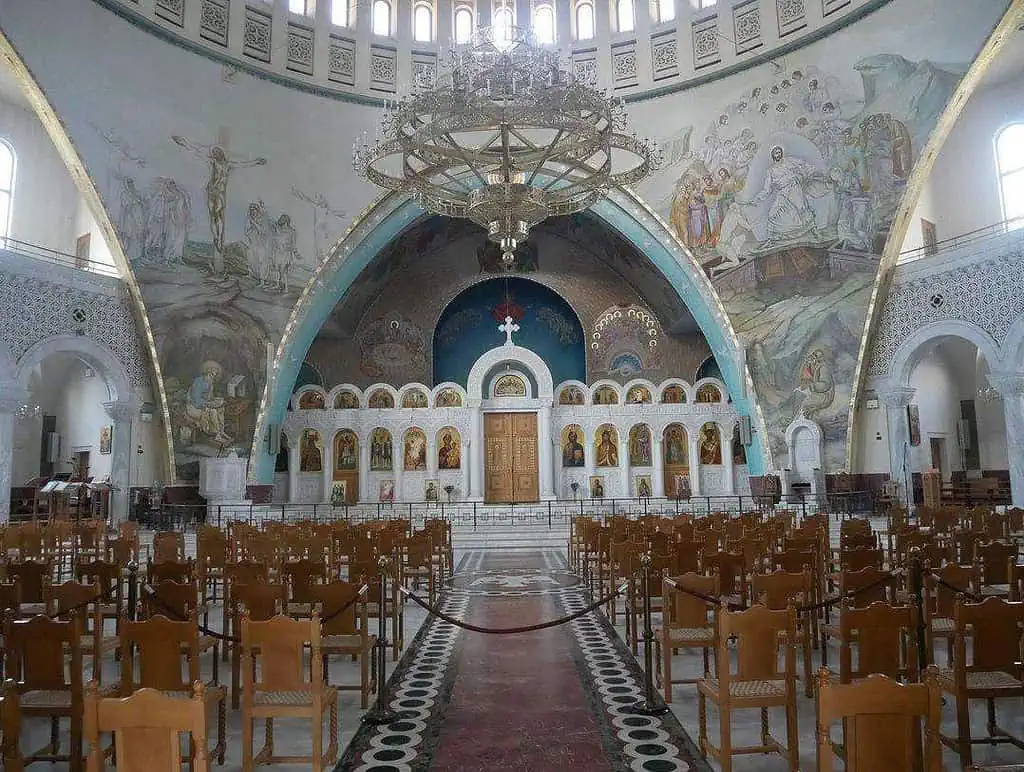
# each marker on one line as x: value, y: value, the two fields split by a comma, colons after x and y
x: 622, y: 211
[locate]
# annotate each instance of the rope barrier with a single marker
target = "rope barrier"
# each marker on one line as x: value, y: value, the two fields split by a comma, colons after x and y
x: 511, y: 630
x: 102, y: 597
x: 974, y: 597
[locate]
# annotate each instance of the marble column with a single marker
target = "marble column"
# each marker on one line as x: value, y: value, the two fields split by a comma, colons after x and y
x: 293, y: 468
x: 328, y: 464
x: 476, y: 444
x: 364, y: 472
x: 624, y: 466
x: 657, y: 468
x: 464, y: 461
x: 544, y: 451
x: 588, y: 462
x: 1011, y: 387
x: 896, y: 398
x: 556, y: 467
x: 398, y: 465
x: 432, y: 466
x: 12, y: 396
x: 694, y: 439
x: 727, y: 465
x: 123, y: 413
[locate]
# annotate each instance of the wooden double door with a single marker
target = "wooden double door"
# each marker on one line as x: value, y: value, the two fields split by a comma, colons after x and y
x: 511, y: 470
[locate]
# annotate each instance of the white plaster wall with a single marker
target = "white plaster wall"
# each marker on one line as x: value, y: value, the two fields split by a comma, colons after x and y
x: 938, y: 401
x: 872, y: 440
x: 86, y: 223
x: 992, y: 434
x: 45, y: 198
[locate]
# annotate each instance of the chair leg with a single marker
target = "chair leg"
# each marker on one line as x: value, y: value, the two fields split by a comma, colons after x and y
x: 318, y: 741
x: 792, y: 737
x: 702, y: 723
x: 75, y: 751
x: 963, y: 730
x: 364, y: 679
x: 725, y: 738
x: 246, y: 742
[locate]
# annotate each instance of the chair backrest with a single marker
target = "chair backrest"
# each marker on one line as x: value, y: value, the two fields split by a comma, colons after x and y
x: 33, y: 576
x: 300, y: 576
x: 277, y: 646
x: 36, y: 650
x: 780, y: 589
x: 165, y: 650
x: 10, y: 597
x: 105, y: 574
x: 340, y: 610
x: 261, y: 600
x: 147, y: 726
x: 758, y: 645
x: 75, y: 596
x: 729, y: 567
x: 10, y: 728
x: 995, y: 557
x: 171, y: 599
x: 683, y: 609
x: 859, y: 558
x: 168, y: 545
x: 940, y: 599
x: 885, y: 641
x: 171, y: 570
x: 246, y: 572
x: 882, y: 720
x: 995, y: 633
x: 864, y: 587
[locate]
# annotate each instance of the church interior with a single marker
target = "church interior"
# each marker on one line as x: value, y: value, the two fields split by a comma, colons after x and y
x: 627, y: 385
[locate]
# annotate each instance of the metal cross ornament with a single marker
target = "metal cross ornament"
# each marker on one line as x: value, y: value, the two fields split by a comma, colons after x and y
x: 508, y: 328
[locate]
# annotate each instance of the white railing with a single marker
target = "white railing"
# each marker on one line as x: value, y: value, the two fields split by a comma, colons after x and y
x: 53, y: 256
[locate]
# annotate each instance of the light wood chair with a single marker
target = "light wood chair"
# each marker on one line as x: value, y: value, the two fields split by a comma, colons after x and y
x: 10, y: 728
x: 85, y: 599
x: 262, y: 601
x: 939, y: 602
x: 687, y: 622
x: 147, y: 728
x: 886, y: 642
x: 345, y: 629
x: 275, y: 685
x: 36, y: 650
x: 778, y: 591
x: 995, y: 558
x: 994, y: 672
x: 761, y: 636
x: 882, y: 722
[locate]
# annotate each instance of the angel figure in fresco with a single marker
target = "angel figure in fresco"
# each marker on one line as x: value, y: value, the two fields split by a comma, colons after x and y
x: 607, y: 452
x: 221, y: 164
x: 204, y: 409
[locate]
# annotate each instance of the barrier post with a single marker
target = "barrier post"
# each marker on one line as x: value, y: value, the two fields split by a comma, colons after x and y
x: 133, y: 589
x: 380, y: 713
x: 917, y: 583
x: 650, y: 705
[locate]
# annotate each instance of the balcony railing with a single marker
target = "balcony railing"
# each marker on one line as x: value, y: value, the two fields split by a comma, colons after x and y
x: 37, y: 252
x: 976, y: 239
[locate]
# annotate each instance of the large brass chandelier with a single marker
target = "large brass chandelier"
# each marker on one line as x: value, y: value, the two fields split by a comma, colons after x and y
x: 506, y: 138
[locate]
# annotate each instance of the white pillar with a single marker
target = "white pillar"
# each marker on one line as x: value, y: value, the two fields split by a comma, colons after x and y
x: 476, y: 445
x: 556, y: 468
x: 727, y: 463
x: 293, y: 467
x: 464, y: 460
x: 432, y: 460
x: 588, y: 461
x: 328, y: 465
x: 624, y: 464
x: 364, y: 471
x: 544, y: 452
x: 658, y: 467
x: 398, y: 464
x: 1011, y: 387
x: 122, y: 412
x: 694, y: 439
x: 896, y: 398
x: 11, y: 397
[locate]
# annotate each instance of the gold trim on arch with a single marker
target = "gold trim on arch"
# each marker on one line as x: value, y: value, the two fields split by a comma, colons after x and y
x: 60, y: 138
x: 1007, y: 26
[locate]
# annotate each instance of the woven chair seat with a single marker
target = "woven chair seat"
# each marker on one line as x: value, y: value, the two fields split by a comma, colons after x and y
x: 685, y: 634
x: 983, y: 679
x: 751, y: 689
x: 352, y: 641
x: 291, y: 699
x: 31, y: 609
x: 298, y: 609
x: 109, y: 609
x: 995, y: 590
x: 943, y: 625
x: 107, y: 643
x: 46, y: 698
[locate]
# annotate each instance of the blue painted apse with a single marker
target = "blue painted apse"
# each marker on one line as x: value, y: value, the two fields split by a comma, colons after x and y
x: 548, y: 326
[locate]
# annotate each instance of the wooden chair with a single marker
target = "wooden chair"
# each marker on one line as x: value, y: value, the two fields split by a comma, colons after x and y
x: 299, y: 577
x: 262, y: 601
x: 730, y: 568
x: 369, y: 574
x: 882, y: 720
x: 10, y: 728
x: 161, y: 649
x: 757, y: 683
x: 939, y: 602
x: 995, y: 558
x: 181, y: 571
x: 422, y: 562
x: 107, y: 576
x: 778, y: 591
x: 168, y: 546
x: 994, y: 671
x: 85, y: 600
x: 345, y: 630
x: 147, y: 728
x: 36, y: 659
x: 275, y: 685
x: 687, y: 622
x: 886, y: 642
x: 180, y: 602
x: 34, y: 577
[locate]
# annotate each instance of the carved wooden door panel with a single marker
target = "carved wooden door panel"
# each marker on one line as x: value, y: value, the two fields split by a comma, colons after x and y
x: 510, y: 458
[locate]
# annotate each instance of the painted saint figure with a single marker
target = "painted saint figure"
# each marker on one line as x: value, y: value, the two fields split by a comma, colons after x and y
x: 415, y: 456
x: 449, y: 454
x: 310, y: 457
x: 798, y: 196
x: 710, y: 445
x: 204, y: 409
x: 607, y: 449
x: 572, y: 451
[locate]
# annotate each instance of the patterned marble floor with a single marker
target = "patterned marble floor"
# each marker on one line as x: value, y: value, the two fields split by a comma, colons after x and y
x: 553, y: 699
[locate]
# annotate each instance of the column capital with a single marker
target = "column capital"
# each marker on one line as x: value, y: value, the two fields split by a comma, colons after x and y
x: 895, y: 396
x: 1008, y: 384
x: 122, y: 410
x: 12, y: 396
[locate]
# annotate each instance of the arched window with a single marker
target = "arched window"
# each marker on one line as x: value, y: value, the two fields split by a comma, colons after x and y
x: 544, y: 24
x: 584, y: 21
x: 503, y: 23
x: 700, y: 4
x: 304, y: 7
x: 381, y: 18
x: 1010, y: 162
x: 423, y: 23
x: 624, y: 15
x: 6, y: 188
x: 339, y: 13
x: 463, y: 24
x: 665, y: 10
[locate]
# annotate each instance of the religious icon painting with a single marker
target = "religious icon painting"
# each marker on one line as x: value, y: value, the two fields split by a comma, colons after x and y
x: 596, y: 487
x: 381, y: 399
x: 311, y: 457
x: 448, y: 398
x: 509, y: 386
x: 106, y: 436
x: 638, y: 395
x: 606, y: 395
x: 640, y: 445
x: 680, y: 486
x: 710, y: 444
x: 430, y: 490
x: 676, y: 450
x: 414, y: 458
x: 606, y: 446
x: 311, y: 400
x: 573, y: 453
x: 346, y: 400
x: 709, y: 393
x: 571, y: 395
x: 673, y: 395
x: 643, y: 486
x: 346, y: 454
x: 386, y: 492
x: 449, y: 448
x: 380, y: 451
x: 339, y: 493
x: 414, y: 398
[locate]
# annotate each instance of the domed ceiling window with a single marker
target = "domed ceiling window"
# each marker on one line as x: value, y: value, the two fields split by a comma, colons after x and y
x: 382, y: 18
x: 664, y: 10
x: 544, y: 24
x: 585, y: 21
x: 6, y: 187
x: 1010, y: 161
x: 624, y: 15
x: 303, y: 7
x: 503, y: 23
x: 423, y: 23
x: 339, y: 13
x: 463, y: 24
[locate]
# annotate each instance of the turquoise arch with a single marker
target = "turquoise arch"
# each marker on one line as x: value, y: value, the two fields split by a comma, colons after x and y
x: 622, y: 211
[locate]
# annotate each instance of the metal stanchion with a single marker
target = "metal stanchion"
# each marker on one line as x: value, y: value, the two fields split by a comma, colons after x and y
x: 917, y: 584
x: 651, y: 705
x: 381, y: 713
x: 133, y: 590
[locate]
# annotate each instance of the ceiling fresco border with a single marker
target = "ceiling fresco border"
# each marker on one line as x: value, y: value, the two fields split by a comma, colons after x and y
x: 58, y: 134
x: 623, y: 211
x: 1008, y: 25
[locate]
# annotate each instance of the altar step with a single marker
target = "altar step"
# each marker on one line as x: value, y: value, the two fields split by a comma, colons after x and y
x: 510, y: 536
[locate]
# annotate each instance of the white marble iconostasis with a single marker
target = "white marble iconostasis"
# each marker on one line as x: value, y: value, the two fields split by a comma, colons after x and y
x: 401, y: 439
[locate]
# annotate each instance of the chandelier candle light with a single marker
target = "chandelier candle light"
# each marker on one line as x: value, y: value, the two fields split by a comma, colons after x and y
x: 507, y: 139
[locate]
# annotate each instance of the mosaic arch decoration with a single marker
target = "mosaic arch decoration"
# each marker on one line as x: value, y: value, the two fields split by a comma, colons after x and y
x: 623, y: 211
